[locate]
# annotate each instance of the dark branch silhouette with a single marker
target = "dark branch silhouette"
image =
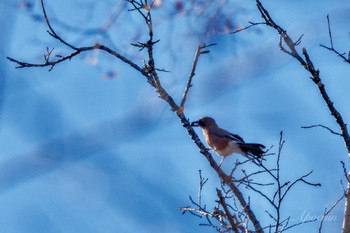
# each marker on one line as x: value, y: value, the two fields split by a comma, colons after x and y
x: 308, y: 65
x: 322, y: 126
x: 331, y: 48
x: 252, y: 24
x: 200, y: 50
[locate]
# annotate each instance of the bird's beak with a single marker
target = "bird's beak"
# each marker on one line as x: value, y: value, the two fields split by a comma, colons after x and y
x: 195, y: 123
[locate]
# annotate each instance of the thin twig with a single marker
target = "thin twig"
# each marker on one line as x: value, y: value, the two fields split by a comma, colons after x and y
x: 202, y: 182
x: 331, y: 48
x: 282, y: 189
x: 199, y: 51
x: 322, y: 126
x: 299, y: 223
x: 60, y: 59
x: 228, y: 215
x: 51, y: 31
x: 252, y: 24
x: 330, y: 31
x: 196, y: 212
x: 300, y: 179
x: 327, y: 211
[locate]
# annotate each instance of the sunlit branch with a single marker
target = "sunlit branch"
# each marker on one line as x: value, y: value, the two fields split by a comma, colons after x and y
x: 231, y: 218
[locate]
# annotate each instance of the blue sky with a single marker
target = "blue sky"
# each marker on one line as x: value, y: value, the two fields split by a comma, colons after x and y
x: 82, y: 151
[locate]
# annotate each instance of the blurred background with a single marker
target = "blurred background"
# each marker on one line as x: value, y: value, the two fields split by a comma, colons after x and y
x: 89, y: 147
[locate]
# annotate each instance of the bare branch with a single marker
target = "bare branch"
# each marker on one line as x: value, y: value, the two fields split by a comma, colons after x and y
x: 346, y: 222
x: 327, y: 211
x: 330, y: 31
x: 282, y: 189
x: 248, y: 181
x: 322, y: 126
x: 221, y: 213
x: 283, y: 33
x: 301, y: 179
x: 199, y: 51
x: 264, y: 196
x: 229, y: 217
x: 51, y: 31
x: 202, y: 182
x: 77, y: 51
x: 236, y: 165
x: 315, y: 77
x: 299, y: 40
x: 298, y: 224
x: 60, y: 59
x: 331, y: 48
x: 252, y: 24
x: 346, y: 173
x: 196, y: 212
x: 308, y: 65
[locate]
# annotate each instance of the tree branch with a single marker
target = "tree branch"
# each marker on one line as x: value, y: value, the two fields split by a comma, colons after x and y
x: 322, y: 126
x: 315, y: 77
x: 77, y: 51
x: 199, y: 51
x: 51, y: 31
x: 231, y: 219
x: 252, y: 24
x: 282, y: 189
x: 331, y: 48
x: 308, y: 65
x: 60, y: 59
x: 327, y: 211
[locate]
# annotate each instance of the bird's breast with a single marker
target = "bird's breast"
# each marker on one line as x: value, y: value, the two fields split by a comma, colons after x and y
x: 229, y: 149
x: 222, y: 146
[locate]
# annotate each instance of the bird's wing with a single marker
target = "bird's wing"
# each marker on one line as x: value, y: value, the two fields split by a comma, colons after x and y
x: 224, y: 134
x: 235, y: 137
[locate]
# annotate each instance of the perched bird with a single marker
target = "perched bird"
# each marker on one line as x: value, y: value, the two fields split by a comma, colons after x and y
x: 225, y: 143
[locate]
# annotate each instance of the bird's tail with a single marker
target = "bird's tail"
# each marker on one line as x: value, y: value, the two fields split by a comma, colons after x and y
x: 254, y: 149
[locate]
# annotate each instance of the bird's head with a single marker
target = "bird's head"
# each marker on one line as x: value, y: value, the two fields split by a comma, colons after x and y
x: 204, y: 122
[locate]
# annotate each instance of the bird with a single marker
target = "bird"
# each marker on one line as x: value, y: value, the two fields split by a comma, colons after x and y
x: 225, y: 143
